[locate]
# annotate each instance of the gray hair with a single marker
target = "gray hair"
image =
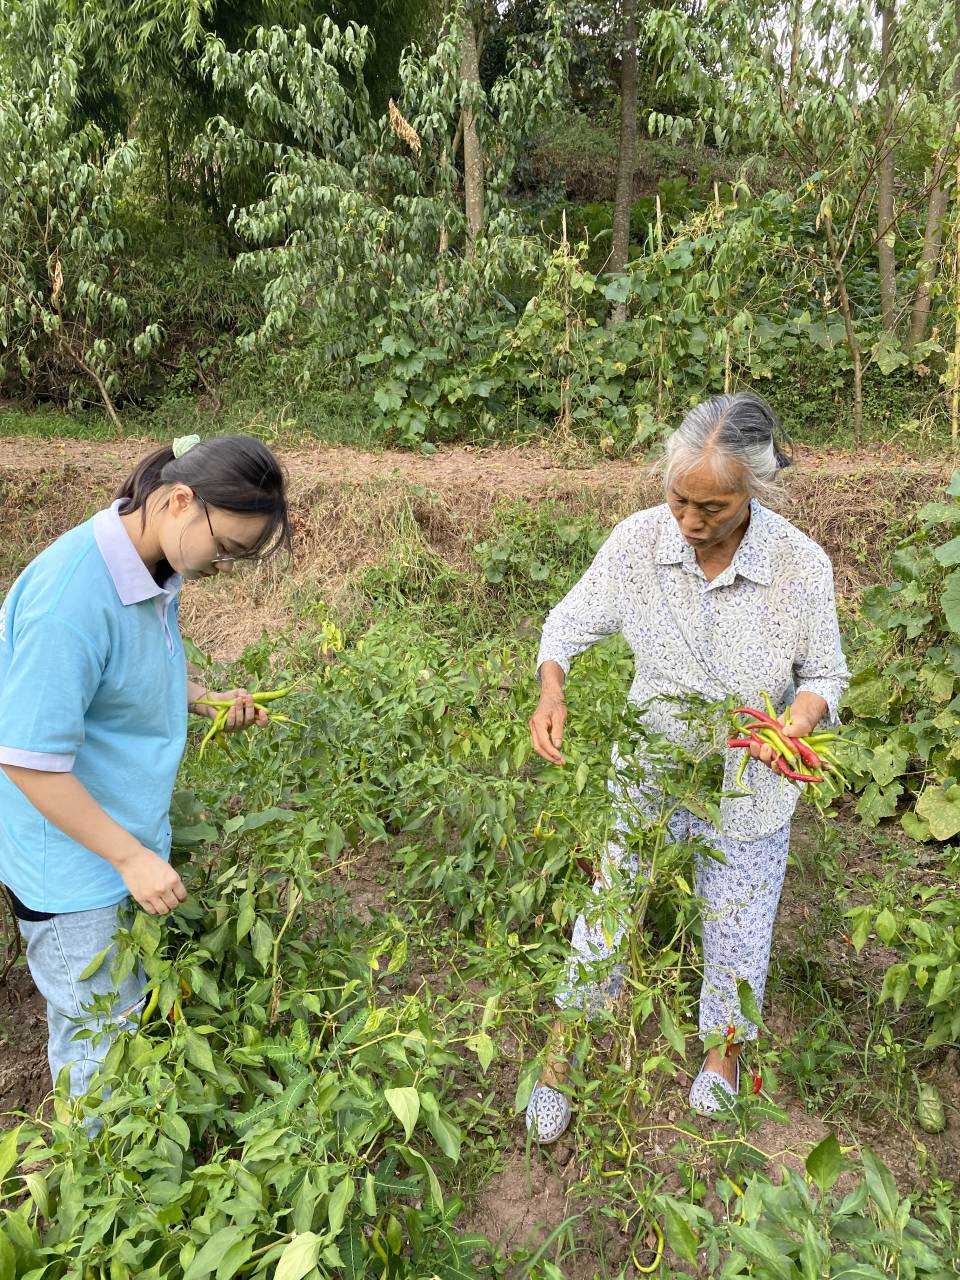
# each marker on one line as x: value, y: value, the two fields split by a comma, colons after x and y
x: 737, y: 433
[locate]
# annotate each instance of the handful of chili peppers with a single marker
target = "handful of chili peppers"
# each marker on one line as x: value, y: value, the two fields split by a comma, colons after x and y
x: 794, y: 758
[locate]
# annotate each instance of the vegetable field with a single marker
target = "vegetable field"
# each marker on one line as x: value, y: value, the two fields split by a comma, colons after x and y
x: 346, y: 1016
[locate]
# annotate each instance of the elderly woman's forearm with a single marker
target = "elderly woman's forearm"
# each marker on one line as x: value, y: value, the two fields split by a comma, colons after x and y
x: 552, y: 677
x: 807, y: 710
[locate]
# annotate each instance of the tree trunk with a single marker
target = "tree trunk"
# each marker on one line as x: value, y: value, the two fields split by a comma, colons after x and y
x: 796, y: 38
x: 955, y: 389
x: 936, y: 213
x: 472, y: 154
x: 853, y: 342
x: 885, y: 211
x: 623, y: 199
x: 929, y: 257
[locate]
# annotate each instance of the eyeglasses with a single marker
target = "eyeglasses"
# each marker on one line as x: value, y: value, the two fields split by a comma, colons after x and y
x: 221, y: 559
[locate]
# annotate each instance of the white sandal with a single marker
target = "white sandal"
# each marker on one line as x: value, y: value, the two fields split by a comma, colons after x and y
x: 548, y: 1114
x: 712, y: 1095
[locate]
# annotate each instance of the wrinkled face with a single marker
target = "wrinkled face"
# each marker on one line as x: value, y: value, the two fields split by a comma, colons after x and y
x: 195, y: 537
x: 707, y: 511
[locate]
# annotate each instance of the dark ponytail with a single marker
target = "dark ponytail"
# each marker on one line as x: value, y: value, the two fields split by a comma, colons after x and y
x: 234, y: 473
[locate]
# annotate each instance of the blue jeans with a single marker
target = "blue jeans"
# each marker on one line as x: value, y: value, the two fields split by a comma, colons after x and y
x: 58, y: 951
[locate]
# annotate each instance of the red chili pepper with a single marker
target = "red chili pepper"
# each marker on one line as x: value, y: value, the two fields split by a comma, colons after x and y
x: 757, y: 1083
x: 806, y: 753
x: 803, y: 749
x: 761, y: 743
x: 731, y: 1032
x: 796, y: 777
x: 738, y: 742
x: 763, y: 718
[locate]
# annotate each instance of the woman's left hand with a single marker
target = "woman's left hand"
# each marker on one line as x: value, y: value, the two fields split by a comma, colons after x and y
x: 800, y: 726
x: 243, y: 714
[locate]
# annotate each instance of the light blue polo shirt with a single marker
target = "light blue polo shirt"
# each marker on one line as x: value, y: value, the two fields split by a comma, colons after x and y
x: 93, y: 680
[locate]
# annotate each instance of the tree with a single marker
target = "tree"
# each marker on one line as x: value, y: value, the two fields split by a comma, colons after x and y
x: 63, y: 302
x: 626, y: 163
x: 472, y: 153
x: 886, y: 221
x: 381, y: 189
x: 817, y: 110
x: 938, y: 202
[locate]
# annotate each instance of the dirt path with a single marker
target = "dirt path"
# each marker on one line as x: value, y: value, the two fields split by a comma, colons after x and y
x: 514, y: 472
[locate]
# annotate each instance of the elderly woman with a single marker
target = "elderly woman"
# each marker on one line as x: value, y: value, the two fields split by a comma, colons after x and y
x: 716, y: 594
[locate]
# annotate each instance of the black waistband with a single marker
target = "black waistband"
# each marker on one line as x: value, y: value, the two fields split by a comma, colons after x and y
x: 23, y: 912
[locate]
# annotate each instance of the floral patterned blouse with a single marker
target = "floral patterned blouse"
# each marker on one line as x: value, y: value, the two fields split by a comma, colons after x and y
x: 768, y: 622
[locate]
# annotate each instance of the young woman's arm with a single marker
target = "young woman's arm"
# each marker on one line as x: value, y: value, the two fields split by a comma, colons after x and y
x: 66, y: 802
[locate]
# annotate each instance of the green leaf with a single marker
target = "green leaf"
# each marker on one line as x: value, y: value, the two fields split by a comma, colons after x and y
x: 350, y: 1245
x: 368, y: 1197
x: 885, y: 926
x: 246, y: 915
x: 8, y: 1259
x: 528, y: 1076
x: 896, y: 984
x: 881, y: 1186
x: 254, y: 821
x: 950, y: 601
x: 748, y: 1002
x: 261, y: 941
x: 679, y: 1233
x: 877, y: 803
x: 671, y: 1031
x: 446, y: 1134
x: 949, y: 553
x: 416, y: 1160
x: 299, y: 1257
x: 941, y: 811
x: 580, y: 777
x: 37, y: 1186
x: 96, y: 962
x: 213, y: 1252
x: 198, y: 1052
x: 888, y: 354
x: 483, y: 1046
x: 8, y: 1150
x: 235, y: 1257
x: 760, y: 1245
x: 931, y: 1116
x: 953, y: 488
x: 337, y: 1208
x: 825, y: 1163
x: 869, y: 695
x: 405, y: 1104
x: 886, y: 762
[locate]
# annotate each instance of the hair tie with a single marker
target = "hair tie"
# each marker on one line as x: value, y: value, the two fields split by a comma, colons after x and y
x: 183, y: 444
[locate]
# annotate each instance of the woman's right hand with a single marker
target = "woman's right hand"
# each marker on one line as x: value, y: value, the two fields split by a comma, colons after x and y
x: 152, y: 882
x: 546, y: 727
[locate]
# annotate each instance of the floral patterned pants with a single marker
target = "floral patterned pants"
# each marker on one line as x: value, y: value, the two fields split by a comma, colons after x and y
x: 739, y: 900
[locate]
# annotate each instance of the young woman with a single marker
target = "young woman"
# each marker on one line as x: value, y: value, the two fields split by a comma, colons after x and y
x: 94, y: 695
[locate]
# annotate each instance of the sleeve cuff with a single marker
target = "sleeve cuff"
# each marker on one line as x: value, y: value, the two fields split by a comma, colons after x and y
x: 45, y: 761
x: 545, y: 655
x: 831, y: 691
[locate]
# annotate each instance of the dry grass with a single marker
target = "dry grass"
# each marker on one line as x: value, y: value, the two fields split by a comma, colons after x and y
x: 349, y: 519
